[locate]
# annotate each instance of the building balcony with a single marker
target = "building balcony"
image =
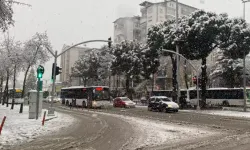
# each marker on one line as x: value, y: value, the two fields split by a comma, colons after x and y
x: 143, y: 20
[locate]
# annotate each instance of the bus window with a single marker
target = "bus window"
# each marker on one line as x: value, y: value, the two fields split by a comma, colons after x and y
x: 18, y: 93
x: 192, y: 94
x: 248, y: 95
x: 101, y: 94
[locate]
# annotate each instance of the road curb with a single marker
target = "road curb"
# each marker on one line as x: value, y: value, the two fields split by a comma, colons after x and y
x: 235, y: 109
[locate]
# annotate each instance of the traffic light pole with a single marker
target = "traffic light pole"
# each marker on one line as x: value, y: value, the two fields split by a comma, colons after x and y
x: 51, y: 110
x: 37, y: 97
x: 197, y: 74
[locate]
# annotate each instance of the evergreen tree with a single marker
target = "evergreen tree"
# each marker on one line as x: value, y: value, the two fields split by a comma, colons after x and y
x: 127, y: 61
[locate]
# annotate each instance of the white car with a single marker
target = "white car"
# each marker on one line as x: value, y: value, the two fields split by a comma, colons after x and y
x: 49, y: 99
x: 162, y: 103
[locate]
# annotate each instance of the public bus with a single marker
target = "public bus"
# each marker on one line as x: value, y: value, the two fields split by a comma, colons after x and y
x: 17, y: 98
x: 91, y: 97
x: 168, y: 93
x: 220, y: 96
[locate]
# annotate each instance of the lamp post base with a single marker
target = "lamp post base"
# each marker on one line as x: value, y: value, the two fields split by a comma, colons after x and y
x: 51, y: 111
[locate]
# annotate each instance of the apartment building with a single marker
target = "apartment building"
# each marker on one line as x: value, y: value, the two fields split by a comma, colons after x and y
x: 153, y: 13
x: 68, y: 60
x: 127, y: 28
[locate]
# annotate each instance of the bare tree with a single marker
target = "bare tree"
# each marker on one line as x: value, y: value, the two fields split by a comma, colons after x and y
x: 35, y: 52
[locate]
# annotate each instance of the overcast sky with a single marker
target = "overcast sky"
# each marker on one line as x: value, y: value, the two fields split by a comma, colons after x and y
x: 73, y: 21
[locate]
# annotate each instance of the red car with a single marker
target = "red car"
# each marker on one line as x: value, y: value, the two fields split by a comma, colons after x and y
x: 123, y: 102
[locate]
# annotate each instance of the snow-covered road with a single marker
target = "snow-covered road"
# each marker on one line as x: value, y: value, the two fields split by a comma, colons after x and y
x: 18, y: 128
x: 150, y: 133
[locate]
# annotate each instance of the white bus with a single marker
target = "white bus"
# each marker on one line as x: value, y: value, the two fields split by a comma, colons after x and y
x: 220, y: 96
x: 17, y: 98
x: 91, y: 97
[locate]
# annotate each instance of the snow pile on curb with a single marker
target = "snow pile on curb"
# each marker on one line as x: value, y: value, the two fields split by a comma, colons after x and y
x: 152, y: 133
x: 221, y: 113
x: 18, y: 128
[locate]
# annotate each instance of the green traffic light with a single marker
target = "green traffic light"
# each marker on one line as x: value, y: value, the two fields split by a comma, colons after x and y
x: 40, y: 75
x: 40, y: 71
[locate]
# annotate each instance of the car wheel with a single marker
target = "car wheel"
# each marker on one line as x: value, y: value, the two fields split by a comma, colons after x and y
x: 225, y: 104
x: 84, y: 104
x: 176, y: 110
x: 149, y: 109
x: 160, y: 109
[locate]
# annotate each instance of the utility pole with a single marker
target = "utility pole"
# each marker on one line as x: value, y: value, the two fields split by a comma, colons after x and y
x: 244, y: 60
x: 40, y: 71
x: 177, y: 56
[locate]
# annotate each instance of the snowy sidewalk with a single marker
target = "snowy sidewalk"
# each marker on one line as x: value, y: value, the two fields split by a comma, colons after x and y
x: 221, y: 113
x: 18, y: 128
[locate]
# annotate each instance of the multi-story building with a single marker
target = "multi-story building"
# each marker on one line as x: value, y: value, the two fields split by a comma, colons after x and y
x: 127, y: 28
x: 153, y: 13
x: 135, y: 28
x: 68, y: 60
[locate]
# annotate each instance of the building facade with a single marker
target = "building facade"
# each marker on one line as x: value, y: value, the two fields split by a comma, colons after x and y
x: 68, y: 60
x: 136, y: 28
x: 127, y: 28
x: 153, y: 13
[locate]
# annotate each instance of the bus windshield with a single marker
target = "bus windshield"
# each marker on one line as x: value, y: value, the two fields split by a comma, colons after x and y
x: 101, y: 94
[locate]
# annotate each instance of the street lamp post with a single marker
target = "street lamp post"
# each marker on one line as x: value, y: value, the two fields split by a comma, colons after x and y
x: 55, y: 55
x: 244, y: 59
x: 177, y: 56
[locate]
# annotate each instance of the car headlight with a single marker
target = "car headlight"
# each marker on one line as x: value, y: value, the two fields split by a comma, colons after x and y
x: 94, y: 103
x: 170, y: 106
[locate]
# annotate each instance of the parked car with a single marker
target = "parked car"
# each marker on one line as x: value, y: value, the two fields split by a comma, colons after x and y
x: 123, y: 102
x: 49, y: 98
x: 58, y: 99
x: 162, y: 103
x: 143, y: 100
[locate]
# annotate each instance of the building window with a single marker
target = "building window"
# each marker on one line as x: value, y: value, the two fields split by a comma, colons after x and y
x: 161, y: 10
x: 136, y: 25
x: 171, y: 4
x: 150, y: 9
x: 184, y: 11
x: 170, y: 17
x: 171, y: 11
x: 144, y: 14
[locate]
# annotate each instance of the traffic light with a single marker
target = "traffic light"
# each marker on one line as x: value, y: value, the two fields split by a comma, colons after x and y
x: 194, y: 80
x: 53, y: 66
x: 58, y: 70
x: 40, y: 71
x: 109, y: 43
